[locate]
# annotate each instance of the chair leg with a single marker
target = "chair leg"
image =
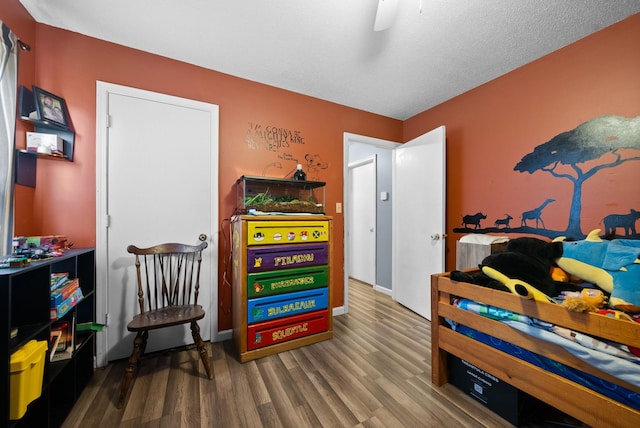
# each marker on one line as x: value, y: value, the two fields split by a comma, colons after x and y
x: 204, y: 355
x: 143, y: 345
x: 139, y: 344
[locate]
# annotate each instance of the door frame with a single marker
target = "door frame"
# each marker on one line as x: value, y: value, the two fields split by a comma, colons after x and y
x: 372, y: 249
x: 350, y: 139
x: 103, y: 89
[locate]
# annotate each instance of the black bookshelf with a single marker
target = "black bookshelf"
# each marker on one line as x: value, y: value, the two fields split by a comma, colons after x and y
x: 24, y: 305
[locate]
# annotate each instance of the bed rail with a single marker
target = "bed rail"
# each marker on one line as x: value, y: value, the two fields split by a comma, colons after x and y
x: 576, y: 400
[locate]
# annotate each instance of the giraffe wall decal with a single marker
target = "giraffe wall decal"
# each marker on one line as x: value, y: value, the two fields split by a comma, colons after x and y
x: 535, y: 214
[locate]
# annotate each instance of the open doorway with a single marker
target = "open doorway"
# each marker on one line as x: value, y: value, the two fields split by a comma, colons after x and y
x: 409, y: 240
x: 357, y: 149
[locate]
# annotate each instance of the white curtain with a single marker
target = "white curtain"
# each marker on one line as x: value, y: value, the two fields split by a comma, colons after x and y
x: 8, y: 94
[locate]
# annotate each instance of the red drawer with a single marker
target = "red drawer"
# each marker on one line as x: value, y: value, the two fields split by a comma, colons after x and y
x: 272, y: 332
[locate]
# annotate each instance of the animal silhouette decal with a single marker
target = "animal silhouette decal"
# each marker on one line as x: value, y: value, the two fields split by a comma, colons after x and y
x: 577, y: 155
x: 503, y: 221
x: 535, y: 214
x: 473, y: 220
x: 625, y: 221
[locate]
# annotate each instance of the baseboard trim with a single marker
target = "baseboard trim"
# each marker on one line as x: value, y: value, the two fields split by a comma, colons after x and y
x: 383, y: 290
x: 223, y: 335
x: 339, y: 310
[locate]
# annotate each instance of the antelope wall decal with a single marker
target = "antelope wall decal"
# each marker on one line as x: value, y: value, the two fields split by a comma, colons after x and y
x: 503, y: 221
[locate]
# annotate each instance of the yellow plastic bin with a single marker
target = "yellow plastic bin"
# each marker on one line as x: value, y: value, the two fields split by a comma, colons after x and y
x: 26, y: 373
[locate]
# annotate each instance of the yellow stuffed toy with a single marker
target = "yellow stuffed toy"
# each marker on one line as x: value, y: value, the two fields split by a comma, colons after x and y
x: 613, y: 266
x: 587, y: 300
x: 517, y: 286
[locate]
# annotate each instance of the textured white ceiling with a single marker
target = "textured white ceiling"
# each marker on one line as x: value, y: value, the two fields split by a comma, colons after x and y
x: 436, y: 49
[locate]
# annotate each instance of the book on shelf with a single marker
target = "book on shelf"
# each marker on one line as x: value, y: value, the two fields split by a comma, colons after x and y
x: 63, y: 292
x: 62, y: 355
x: 54, y: 341
x: 65, y: 344
x: 89, y: 326
x: 67, y: 304
x: 57, y: 279
x: 61, y: 329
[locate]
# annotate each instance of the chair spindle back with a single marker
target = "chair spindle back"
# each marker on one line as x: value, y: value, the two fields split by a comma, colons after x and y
x: 167, y: 275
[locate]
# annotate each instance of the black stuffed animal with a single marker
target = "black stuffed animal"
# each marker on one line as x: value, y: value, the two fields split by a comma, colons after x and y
x: 526, y: 259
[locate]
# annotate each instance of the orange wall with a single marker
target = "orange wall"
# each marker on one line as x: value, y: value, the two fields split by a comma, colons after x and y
x: 490, y: 129
x: 69, y: 64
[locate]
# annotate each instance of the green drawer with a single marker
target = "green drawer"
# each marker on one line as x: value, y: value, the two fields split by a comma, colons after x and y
x: 286, y: 280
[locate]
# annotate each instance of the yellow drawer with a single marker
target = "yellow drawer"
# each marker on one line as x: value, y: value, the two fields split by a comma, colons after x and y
x: 287, y: 232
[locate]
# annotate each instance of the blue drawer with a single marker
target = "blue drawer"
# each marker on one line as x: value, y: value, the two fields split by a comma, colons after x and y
x: 284, y: 305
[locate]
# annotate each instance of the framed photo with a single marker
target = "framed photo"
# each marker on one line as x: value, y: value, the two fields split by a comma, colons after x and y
x: 51, y: 108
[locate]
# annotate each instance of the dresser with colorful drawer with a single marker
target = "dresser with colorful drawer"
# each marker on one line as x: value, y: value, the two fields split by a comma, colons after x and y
x: 281, y: 283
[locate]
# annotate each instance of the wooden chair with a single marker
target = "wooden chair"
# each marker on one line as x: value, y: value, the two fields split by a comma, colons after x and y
x: 168, y: 286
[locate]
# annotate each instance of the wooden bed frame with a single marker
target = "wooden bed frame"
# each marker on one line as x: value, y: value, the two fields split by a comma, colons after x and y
x: 578, y: 401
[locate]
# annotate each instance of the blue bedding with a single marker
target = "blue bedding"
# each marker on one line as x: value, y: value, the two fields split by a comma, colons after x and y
x: 630, y: 369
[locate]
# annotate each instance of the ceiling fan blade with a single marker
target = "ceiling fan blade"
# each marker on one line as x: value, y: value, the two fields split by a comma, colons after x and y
x: 386, y: 14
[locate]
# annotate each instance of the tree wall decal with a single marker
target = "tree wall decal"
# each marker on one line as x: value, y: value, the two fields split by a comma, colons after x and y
x: 577, y: 155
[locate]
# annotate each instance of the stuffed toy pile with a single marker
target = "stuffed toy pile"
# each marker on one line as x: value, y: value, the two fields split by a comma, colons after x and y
x: 567, y: 272
x: 613, y: 266
x: 525, y: 264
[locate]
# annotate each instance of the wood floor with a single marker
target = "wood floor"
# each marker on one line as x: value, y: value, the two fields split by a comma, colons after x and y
x: 375, y: 372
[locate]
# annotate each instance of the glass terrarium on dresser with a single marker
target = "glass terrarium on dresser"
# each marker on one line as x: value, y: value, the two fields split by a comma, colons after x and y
x: 278, y: 195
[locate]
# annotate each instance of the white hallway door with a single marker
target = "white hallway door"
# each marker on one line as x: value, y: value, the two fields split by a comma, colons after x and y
x: 157, y: 175
x: 418, y: 219
x: 362, y: 220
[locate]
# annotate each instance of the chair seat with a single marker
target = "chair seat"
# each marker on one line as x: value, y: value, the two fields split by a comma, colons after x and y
x: 165, y: 317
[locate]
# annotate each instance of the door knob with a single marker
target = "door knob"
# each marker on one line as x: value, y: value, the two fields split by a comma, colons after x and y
x: 202, y: 237
x: 437, y: 236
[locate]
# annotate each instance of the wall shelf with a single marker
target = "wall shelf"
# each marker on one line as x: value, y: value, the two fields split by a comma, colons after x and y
x: 26, y: 160
x: 44, y: 155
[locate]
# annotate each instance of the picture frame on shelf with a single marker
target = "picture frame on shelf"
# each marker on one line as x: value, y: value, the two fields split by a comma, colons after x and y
x: 51, y: 108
